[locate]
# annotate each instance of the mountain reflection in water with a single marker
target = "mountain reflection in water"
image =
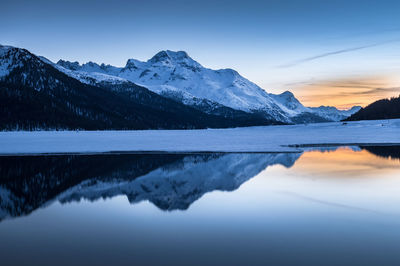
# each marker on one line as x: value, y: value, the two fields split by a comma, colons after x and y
x: 169, y: 181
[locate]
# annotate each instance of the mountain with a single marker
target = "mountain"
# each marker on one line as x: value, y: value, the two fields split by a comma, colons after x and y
x: 169, y: 91
x: 382, y: 109
x: 169, y: 181
x: 37, y: 95
x: 333, y: 114
x: 300, y: 114
x: 121, y: 85
x: 177, y: 76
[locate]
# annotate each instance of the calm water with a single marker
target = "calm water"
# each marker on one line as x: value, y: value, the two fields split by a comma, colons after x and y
x: 332, y: 207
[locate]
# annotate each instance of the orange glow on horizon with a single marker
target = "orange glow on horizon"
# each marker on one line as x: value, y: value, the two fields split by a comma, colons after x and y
x: 345, y: 93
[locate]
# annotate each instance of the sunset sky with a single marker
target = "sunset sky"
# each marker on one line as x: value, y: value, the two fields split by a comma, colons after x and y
x: 339, y: 53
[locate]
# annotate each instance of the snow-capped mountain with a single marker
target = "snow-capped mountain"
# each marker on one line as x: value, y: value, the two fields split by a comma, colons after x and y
x: 288, y: 102
x: 176, y: 72
x: 176, y: 75
x: 218, y: 98
x: 332, y: 113
x: 38, y: 94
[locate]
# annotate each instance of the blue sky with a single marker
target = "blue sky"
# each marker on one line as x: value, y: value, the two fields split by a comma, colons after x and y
x: 326, y: 52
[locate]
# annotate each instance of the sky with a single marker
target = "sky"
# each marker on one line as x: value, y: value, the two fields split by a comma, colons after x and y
x: 336, y: 52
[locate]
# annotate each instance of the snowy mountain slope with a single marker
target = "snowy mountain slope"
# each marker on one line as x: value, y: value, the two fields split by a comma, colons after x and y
x: 176, y: 69
x: 10, y: 58
x: 288, y: 103
x: 123, y: 85
x: 332, y: 113
x: 89, y: 67
x: 178, y: 76
x: 299, y: 113
x: 92, y: 78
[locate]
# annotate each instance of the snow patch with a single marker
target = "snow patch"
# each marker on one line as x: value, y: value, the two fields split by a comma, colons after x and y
x: 250, y: 139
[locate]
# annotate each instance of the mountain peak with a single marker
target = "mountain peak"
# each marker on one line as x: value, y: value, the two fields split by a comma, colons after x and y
x: 11, y: 49
x: 290, y: 102
x: 287, y: 94
x: 5, y: 48
x: 91, y: 65
x: 69, y: 65
x: 132, y: 64
x: 168, y: 55
x: 88, y: 67
x: 13, y: 57
x: 229, y: 71
x: 160, y: 57
x: 173, y: 59
x: 355, y: 108
x: 178, y: 54
x: 325, y: 107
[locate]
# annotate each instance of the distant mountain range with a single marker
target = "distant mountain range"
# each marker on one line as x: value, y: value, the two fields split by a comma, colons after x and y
x: 382, y: 109
x: 170, y: 90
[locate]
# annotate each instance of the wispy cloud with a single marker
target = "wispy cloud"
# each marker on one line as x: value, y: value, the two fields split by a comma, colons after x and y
x: 347, y: 50
x: 376, y: 91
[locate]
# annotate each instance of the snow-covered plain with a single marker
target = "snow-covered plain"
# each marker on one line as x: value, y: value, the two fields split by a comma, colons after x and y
x: 250, y: 139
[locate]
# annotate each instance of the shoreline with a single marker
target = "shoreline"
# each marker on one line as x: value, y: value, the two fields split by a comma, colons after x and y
x: 268, y: 139
x: 301, y: 146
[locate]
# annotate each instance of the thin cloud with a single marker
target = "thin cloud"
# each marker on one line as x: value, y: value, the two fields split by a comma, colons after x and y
x: 349, y: 85
x: 312, y: 58
x: 369, y: 92
x: 297, y: 83
x: 375, y: 91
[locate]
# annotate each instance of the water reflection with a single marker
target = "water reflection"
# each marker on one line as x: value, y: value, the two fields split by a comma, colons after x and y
x: 390, y: 152
x: 349, y: 162
x: 169, y: 181
x: 333, y: 206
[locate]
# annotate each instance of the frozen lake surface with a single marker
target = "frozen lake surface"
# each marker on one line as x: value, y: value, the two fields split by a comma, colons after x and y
x: 250, y: 139
x: 320, y: 207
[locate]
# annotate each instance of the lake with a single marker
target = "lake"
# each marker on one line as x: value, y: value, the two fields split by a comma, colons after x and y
x: 327, y: 206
